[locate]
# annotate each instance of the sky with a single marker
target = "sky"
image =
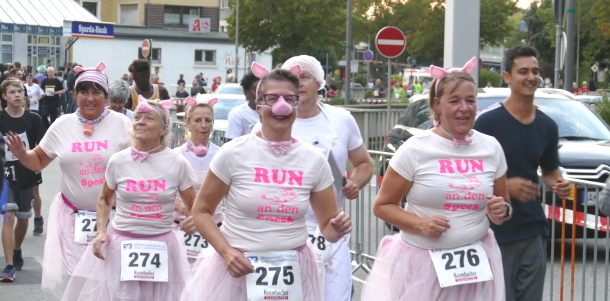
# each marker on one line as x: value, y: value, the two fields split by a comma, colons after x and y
x: 524, y: 3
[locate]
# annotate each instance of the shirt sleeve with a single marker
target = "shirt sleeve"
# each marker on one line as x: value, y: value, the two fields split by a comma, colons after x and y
x: 188, y: 178
x: 500, y: 158
x: 111, y: 171
x: 234, y: 128
x: 51, y: 140
x: 355, y: 139
x: 325, y: 177
x: 405, y: 159
x: 222, y: 164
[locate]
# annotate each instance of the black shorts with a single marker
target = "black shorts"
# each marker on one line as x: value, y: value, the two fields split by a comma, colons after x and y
x: 20, y: 200
x: 38, y: 178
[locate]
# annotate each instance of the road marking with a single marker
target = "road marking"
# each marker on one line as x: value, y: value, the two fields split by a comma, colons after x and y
x: 390, y: 42
x: 38, y: 259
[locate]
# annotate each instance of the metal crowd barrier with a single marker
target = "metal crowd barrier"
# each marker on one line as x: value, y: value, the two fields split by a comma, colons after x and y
x: 179, y: 130
x: 584, y: 278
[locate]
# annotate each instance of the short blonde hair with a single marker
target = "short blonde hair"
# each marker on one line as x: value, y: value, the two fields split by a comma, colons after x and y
x: 455, y: 76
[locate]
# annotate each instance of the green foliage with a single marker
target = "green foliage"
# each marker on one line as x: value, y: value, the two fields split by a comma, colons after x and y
x: 368, y: 94
x: 341, y: 101
x: 603, y: 108
x: 288, y: 27
x: 360, y: 78
x: 489, y: 76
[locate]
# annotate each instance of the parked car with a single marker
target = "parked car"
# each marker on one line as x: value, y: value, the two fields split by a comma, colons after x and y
x: 584, y: 138
x: 229, y: 88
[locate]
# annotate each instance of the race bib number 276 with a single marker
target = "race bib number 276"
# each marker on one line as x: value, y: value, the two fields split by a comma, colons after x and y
x: 467, y: 264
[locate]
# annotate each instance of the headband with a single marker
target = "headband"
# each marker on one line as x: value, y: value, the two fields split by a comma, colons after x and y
x: 192, y: 102
x: 92, y: 74
x: 144, y: 107
x: 310, y: 64
x: 260, y: 71
x: 440, y: 73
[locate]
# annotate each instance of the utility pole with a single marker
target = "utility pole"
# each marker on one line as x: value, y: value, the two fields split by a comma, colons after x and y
x: 348, y: 53
x: 569, y: 69
x: 236, y: 41
x: 558, y: 12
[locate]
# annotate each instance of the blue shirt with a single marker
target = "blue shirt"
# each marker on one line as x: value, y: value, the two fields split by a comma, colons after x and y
x: 526, y: 146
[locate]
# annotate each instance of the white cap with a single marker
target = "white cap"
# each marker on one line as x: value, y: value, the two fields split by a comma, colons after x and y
x: 309, y: 64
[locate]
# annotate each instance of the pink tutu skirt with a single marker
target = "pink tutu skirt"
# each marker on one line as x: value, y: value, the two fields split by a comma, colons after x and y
x: 61, y: 252
x: 405, y: 273
x: 97, y: 279
x: 211, y: 281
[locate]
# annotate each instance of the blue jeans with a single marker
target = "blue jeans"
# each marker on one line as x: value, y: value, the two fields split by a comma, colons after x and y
x: 71, y: 104
x: 48, y: 111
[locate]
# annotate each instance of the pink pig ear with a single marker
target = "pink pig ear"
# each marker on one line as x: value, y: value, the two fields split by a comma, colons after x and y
x: 167, y: 104
x: 78, y: 69
x: 141, y: 99
x: 470, y: 65
x: 212, y: 101
x: 296, y: 69
x: 437, y: 72
x: 100, y: 66
x: 191, y: 101
x: 259, y: 70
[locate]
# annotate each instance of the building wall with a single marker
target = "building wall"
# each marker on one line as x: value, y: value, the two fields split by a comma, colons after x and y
x: 110, y: 9
x: 176, y: 58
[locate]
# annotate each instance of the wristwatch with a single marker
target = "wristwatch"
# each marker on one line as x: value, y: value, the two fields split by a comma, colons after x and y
x: 509, y: 210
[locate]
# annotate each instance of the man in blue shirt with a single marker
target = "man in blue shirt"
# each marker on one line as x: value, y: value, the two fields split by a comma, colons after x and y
x: 529, y: 139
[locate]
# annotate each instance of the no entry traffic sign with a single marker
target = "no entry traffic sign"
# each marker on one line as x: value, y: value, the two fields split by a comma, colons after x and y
x: 390, y: 41
x: 145, y: 48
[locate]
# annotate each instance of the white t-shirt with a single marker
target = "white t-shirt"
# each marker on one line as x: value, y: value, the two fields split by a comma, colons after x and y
x: 452, y: 182
x: 83, y: 158
x: 333, y: 129
x: 268, y: 195
x: 34, y: 92
x: 200, y: 165
x: 241, y: 120
x: 146, y: 191
x: 129, y: 114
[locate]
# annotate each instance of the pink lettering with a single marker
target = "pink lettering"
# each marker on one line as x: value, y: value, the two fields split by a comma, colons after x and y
x: 131, y: 186
x: 89, y: 149
x: 297, y: 178
x: 458, y: 163
x: 136, y: 208
x: 456, y: 207
x: 261, y: 175
x: 156, y: 216
x: 101, y: 144
x: 76, y: 147
x: 445, y: 166
x: 477, y: 165
x: 287, y: 209
x: 85, y: 182
x: 276, y: 218
x: 275, y: 176
x: 159, y: 185
x: 145, y: 189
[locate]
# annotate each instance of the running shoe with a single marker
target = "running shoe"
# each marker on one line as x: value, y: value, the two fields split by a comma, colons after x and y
x: 8, y: 275
x: 38, y: 222
x: 17, y: 259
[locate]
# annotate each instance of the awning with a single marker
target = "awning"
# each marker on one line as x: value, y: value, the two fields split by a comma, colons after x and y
x: 44, y: 16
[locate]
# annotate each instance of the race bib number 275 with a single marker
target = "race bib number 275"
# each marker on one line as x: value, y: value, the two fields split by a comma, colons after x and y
x: 277, y: 276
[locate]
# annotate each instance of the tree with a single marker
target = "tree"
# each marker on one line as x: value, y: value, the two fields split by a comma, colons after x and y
x: 288, y: 27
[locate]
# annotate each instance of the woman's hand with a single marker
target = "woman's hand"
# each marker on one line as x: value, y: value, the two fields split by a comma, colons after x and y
x: 97, y: 245
x: 187, y: 224
x: 433, y: 227
x: 341, y: 223
x: 237, y: 263
x: 15, y: 145
x: 496, y: 209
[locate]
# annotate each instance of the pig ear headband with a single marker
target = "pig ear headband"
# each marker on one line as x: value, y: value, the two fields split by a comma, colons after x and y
x: 440, y: 73
x: 192, y: 102
x: 92, y: 74
x: 260, y: 71
x: 144, y: 107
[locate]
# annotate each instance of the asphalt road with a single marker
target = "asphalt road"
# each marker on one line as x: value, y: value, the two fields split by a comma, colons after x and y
x: 27, y: 284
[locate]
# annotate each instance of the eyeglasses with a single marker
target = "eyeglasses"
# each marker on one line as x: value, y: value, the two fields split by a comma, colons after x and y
x: 271, y: 99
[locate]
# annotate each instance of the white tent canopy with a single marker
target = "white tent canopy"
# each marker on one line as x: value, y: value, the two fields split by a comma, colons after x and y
x: 45, y: 13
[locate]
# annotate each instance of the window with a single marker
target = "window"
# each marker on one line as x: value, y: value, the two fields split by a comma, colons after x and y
x: 224, y: 3
x: 205, y: 57
x: 43, y: 40
x: 7, y: 48
x: 91, y: 7
x: 156, y: 55
x: 128, y: 14
x: 179, y: 15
